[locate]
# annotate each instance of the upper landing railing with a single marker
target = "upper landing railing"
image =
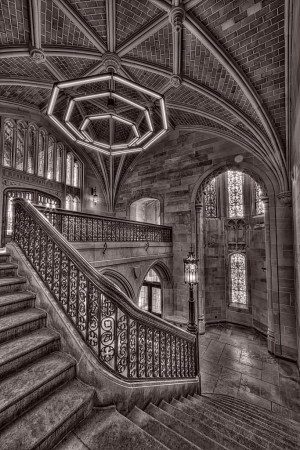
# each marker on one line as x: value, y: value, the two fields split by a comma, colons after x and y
x: 131, y: 343
x: 76, y: 226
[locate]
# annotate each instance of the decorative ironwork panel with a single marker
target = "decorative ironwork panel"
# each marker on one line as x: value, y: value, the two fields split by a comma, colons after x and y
x: 92, y: 319
x: 156, y: 355
x: 259, y: 204
x: 162, y: 354
x: 142, y: 351
x: 238, y: 278
x: 108, y: 326
x: 149, y: 344
x: 235, y: 193
x: 133, y: 349
x: 210, y: 199
x: 122, y: 344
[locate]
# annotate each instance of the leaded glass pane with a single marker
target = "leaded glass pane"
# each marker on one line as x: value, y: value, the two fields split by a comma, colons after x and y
x: 211, y: 199
x: 76, y: 174
x: 235, y: 193
x: 32, y: 133
x: 20, y: 146
x: 69, y: 202
x: 152, y: 276
x: 8, y: 143
x: 50, y: 158
x: 238, y: 278
x: 259, y: 205
x: 69, y: 169
x: 143, y: 298
x: 156, y: 300
x: 75, y: 204
x: 59, y: 154
x: 41, y: 154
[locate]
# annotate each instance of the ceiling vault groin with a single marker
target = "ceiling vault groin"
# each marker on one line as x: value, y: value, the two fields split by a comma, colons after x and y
x: 137, y: 49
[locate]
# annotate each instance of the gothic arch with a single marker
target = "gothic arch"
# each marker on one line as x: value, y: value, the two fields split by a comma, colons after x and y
x: 120, y: 281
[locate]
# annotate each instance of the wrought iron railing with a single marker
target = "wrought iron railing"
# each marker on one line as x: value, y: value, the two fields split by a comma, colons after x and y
x: 131, y: 343
x: 76, y: 226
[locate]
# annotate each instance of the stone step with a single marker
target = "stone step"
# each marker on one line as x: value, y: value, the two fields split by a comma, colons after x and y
x: 245, y: 422
x: 256, y: 410
x: 19, y: 352
x: 106, y: 429
x: 280, y: 430
x: 178, y: 410
x: 12, y: 284
x: 7, y: 269
x: 183, y: 429
x: 16, y: 301
x: 230, y: 427
x: 4, y: 257
x: 21, y: 323
x: 159, y: 430
x: 25, y: 388
x: 44, y: 425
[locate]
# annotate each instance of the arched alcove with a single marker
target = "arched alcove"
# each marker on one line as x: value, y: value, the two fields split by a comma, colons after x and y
x: 146, y: 210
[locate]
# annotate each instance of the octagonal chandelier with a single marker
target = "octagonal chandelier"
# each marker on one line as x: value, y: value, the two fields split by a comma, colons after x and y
x: 137, y: 140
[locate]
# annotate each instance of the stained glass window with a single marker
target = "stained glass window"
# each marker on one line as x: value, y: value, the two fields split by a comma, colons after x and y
x: 259, y: 204
x: 75, y: 204
x: 59, y: 154
x: 238, y: 278
x: 69, y: 169
x: 150, y: 298
x: 50, y: 158
x: 76, y: 174
x: 69, y: 202
x: 235, y: 193
x: 8, y: 143
x: 41, y: 153
x: 211, y: 199
x: 20, y: 146
x: 32, y: 133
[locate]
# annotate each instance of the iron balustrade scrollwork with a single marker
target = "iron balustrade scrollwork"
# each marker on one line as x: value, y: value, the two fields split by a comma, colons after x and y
x: 131, y: 343
x: 81, y: 227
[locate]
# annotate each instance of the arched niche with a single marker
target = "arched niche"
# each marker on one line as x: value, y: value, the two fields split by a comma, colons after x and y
x: 146, y: 209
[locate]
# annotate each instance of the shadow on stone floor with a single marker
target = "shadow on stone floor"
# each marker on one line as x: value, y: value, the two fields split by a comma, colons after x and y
x: 235, y: 361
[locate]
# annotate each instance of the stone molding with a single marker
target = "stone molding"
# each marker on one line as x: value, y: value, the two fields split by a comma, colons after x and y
x: 176, y: 17
x: 37, y: 55
x: 285, y: 198
x: 111, y: 61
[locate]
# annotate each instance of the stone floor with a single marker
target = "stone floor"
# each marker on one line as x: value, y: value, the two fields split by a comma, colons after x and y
x: 235, y: 361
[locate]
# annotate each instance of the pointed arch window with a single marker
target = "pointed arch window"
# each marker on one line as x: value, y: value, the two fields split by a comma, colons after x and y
x: 50, y: 168
x: 238, y: 278
x: 69, y: 202
x: 235, y: 193
x: 69, y: 169
x: 8, y: 143
x: 76, y: 204
x: 76, y: 174
x: 32, y: 135
x: 211, y: 199
x: 20, y: 146
x: 41, y: 153
x: 150, y: 298
x: 59, y: 156
x: 259, y: 204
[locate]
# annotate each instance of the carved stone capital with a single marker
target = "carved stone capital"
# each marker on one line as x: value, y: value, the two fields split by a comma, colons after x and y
x: 285, y: 198
x: 175, y: 81
x: 111, y: 61
x: 176, y: 17
x: 37, y: 55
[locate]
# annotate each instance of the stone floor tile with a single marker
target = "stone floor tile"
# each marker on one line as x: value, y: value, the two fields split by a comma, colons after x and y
x: 210, y: 368
x: 230, y: 377
x: 288, y: 369
x: 232, y: 352
x: 258, y: 349
x: 238, y: 367
x: 203, y: 340
x: 248, y: 397
x: 214, y: 351
x: 250, y: 359
x: 260, y: 388
x: 202, y: 349
x: 208, y: 382
x: 270, y: 373
x: 217, y: 329
x: 223, y: 388
x: 234, y: 341
x: 289, y: 393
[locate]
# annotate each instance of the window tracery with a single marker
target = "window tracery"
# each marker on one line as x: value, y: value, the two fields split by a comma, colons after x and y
x: 69, y: 202
x: 50, y: 165
x: 20, y: 146
x: 8, y: 143
x: 235, y: 193
x: 238, y: 278
x: 41, y: 153
x: 76, y: 204
x: 150, y: 298
x: 76, y: 174
x: 59, y: 156
x: 211, y: 199
x: 259, y: 204
x: 32, y: 134
x: 69, y: 169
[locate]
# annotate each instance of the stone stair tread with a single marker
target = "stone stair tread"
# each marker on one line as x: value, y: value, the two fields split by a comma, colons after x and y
x: 6, y: 281
x: 21, y: 317
x: 107, y: 429
x: 164, y: 434
x: 8, y: 265
x: 15, y: 297
x: 15, y: 348
x: 17, y: 386
x: 34, y: 426
x: 257, y: 410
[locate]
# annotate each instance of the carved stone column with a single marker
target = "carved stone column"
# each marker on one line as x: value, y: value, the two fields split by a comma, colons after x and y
x: 200, y: 255
x: 271, y: 336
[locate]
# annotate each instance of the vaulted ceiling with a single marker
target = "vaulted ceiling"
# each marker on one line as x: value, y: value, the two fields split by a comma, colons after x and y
x: 219, y: 63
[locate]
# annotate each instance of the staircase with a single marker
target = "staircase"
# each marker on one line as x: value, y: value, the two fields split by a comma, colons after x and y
x: 40, y: 398
x: 43, y: 406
